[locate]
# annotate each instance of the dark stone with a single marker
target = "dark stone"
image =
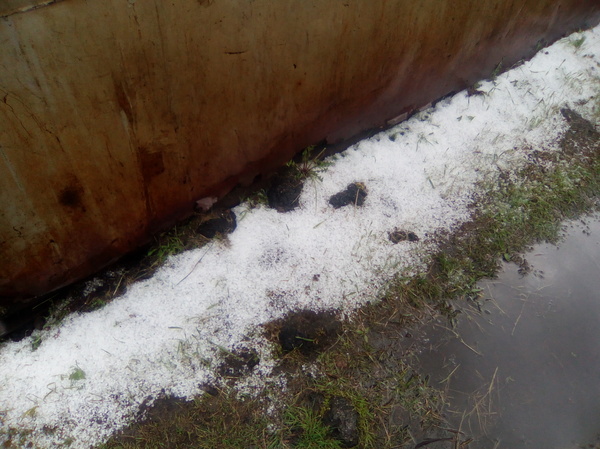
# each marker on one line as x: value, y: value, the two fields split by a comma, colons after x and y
x: 224, y: 224
x: 355, y: 194
x: 398, y: 235
x: 284, y: 193
x: 342, y: 418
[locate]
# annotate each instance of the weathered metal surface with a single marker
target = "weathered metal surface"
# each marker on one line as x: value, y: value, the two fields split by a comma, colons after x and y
x: 117, y: 115
x: 10, y: 7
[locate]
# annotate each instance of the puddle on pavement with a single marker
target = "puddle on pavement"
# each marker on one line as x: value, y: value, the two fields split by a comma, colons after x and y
x: 525, y: 370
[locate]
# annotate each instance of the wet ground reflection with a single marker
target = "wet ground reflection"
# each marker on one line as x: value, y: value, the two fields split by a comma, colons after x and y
x: 525, y: 371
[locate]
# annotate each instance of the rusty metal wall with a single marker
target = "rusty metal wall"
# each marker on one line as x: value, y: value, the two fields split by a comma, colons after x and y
x: 117, y: 115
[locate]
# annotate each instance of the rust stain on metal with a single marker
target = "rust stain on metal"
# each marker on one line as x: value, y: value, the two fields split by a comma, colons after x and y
x: 71, y: 197
x: 151, y: 162
x: 116, y: 118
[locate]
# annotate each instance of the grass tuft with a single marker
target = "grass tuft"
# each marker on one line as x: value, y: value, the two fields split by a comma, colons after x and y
x: 167, y: 244
x: 307, y: 430
x: 310, y: 165
x: 577, y: 42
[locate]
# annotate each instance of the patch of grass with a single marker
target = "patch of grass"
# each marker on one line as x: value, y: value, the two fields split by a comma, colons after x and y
x: 497, y: 70
x: 97, y: 303
x: 255, y: 199
x: 310, y: 165
x: 76, y: 374
x: 577, y: 42
x: 349, y: 388
x: 418, y: 398
x: 308, y: 430
x: 258, y: 198
x: 370, y: 368
x: 36, y: 341
x: 222, y: 421
x: 539, y: 45
x: 15, y: 438
x: 184, y: 236
x: 167, y: 244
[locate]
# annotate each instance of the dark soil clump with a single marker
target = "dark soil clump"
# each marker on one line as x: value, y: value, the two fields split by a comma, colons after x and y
x: 238, y: 364
x: 223, y: 224
x: 397, y: 236
x: 355, y: 194
x: 284, y: 192
x: 307, y: 331
x: 581, y: 133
